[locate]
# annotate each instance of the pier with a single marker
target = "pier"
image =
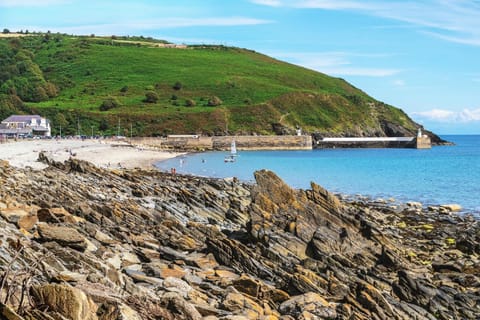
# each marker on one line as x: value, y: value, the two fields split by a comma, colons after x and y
x: 419, y: 142
x: 287, y: 142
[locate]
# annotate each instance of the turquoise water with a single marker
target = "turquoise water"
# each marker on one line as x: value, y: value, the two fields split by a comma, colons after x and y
x: 447, y: 174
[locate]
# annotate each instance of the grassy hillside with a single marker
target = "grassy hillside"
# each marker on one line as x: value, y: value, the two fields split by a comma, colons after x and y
x: 95, y: 82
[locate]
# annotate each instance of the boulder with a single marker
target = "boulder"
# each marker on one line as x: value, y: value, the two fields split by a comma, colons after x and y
x: 113, y: 310
x: 13, y: 215
x: 70, y: 302
x: 311, y: 302
x: 8, y: 314
x: 452, y: 207
x: 64, y: 236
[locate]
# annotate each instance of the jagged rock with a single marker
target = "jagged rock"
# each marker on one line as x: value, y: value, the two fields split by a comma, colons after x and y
x: 177, y: 285
x: 68, y: 301
x: 452, y: 207
x: 192, y: 247
x: 182, y: 309
x: 13, y: 214
x: 8, y: 314
x: 308, y: 306
x: 63, y: 236
x: 117, y: 311
x: 55, y: 215
x: 240, y: 303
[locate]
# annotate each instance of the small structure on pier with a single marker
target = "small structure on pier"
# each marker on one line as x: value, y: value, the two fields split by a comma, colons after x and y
x: 422, y: 141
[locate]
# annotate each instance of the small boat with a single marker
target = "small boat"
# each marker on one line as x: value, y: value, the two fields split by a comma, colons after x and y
x: 232, y: 157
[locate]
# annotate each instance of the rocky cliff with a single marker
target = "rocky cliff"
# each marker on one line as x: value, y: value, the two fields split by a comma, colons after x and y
x: 79, y: 242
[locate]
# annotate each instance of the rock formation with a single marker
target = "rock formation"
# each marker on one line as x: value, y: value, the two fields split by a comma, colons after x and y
x: 80, y: 242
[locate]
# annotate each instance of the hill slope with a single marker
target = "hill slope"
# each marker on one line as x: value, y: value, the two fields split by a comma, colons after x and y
x: 89, y: 83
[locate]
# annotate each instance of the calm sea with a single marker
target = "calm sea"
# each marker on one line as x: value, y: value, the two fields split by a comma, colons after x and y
x: 441, y: 175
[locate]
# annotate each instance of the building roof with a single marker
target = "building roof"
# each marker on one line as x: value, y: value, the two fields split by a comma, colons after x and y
x: 22, y: 118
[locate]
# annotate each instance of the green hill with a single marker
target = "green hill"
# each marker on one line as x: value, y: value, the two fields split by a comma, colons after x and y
x: 93, y: 83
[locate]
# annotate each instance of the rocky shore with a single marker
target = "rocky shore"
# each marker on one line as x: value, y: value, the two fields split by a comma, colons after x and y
x: 82, y: 242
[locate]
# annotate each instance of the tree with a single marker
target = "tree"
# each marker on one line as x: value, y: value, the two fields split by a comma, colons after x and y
x: 190, y: 103
x: 151, y: 97
x: 60, y: 122
x: 103, y: 126
x: 6, y: 31
x: 178, y: 85
x: 109, y: 103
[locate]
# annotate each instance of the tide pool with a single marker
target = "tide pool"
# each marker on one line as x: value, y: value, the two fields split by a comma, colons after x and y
x: 441, y: 175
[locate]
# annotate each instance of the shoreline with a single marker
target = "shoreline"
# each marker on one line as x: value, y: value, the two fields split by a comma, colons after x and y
x: 110, y: 154
x: 119, y: 154
x: 274, y: 249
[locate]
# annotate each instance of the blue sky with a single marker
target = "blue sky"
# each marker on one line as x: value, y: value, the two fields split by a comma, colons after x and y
x: 421, y: 56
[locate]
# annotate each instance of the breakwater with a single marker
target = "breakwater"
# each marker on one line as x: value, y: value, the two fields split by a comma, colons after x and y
x: 286, y: 142
x: 80, y: 242
x: 201, y: 143
x: 422, y: 142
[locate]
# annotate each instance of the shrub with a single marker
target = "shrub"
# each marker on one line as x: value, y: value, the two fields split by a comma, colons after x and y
x: 124, y: 89
x: 178, y: 85
x: 151, y: 97
x: 174, y: 97
x: 190, y: 103
x: 214, y: 101
x: 109, y: 103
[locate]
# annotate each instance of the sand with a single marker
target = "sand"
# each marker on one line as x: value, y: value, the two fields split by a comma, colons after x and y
x: 112, y: 154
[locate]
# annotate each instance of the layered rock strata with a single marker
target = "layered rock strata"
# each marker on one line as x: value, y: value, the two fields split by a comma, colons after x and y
x: 79, y: 242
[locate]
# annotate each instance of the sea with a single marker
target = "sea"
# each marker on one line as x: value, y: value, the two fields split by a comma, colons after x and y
x: 441, y: 175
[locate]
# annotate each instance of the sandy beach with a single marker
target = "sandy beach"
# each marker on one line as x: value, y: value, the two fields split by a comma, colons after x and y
x: 103, y: 153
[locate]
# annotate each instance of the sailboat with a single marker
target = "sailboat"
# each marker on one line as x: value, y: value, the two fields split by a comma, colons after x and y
x: 232, y: 157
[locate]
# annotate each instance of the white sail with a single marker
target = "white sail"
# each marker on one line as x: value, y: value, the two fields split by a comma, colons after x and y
x: 233, y: 147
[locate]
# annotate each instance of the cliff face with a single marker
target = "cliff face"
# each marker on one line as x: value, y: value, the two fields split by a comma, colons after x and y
x: 78, y: 242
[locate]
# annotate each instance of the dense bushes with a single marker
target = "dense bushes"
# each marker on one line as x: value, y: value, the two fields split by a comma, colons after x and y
x: 21, y: 76
x: 190, y: 103
x: 151, y: 97
x: 214, y: 101
x: 109, y: 103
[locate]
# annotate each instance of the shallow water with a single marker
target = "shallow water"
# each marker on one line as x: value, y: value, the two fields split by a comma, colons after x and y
x: 447, y: 174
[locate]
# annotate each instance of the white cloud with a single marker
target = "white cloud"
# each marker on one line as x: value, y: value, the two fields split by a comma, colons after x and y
x: 271, y: 3
x: 451, y: 20
x: 30, y: 3
x: 317, y: 4
x: 449, y: 116
x: 129, y: 27
x: 399, y: 83
x: 336, y: 63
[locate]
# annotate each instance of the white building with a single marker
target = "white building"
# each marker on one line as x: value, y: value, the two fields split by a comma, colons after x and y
x: 24, y: 125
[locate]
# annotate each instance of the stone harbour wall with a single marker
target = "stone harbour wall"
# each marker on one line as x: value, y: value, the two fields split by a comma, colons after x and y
x: 201, y: 143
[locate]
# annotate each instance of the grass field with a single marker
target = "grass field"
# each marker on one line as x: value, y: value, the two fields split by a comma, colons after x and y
x: 257, y: 92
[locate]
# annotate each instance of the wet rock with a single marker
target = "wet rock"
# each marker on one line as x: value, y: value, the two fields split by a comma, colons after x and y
x: 452, y: 207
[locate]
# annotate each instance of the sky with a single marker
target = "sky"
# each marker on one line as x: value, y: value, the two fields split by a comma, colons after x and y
x: 421, y: 56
